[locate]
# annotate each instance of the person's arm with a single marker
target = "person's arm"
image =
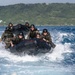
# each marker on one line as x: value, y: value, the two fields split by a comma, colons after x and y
x: 11, y: 43
x: 0, y: 40
x: 2, y: 37
x: 28, y: 35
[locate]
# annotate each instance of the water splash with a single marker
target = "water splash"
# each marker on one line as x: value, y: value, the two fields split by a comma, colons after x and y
x: 55, y: 56
x: 50, y: 63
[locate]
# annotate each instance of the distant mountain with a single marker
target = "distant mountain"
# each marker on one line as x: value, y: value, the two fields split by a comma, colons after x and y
x: 38, y: 14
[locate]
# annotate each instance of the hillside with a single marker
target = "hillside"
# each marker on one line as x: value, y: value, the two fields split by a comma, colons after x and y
x: 39, y: 14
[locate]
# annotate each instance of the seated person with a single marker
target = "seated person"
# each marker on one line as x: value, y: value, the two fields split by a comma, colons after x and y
x: 27, y: 25
x: 38, y: 35
x: 11, y: 27
x: 33, y: 31
x: 17, y: 39
x: 7, y: 37
x: 47, y: 37
x: 40, y: 43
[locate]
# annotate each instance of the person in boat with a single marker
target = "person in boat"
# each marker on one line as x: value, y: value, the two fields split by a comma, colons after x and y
x: 38, y: 35
x: 7, y: 37
x: 47, y: 37
x: 16, y: 40
x: 10, y: 26
x: 33, y: 31
x: 27, y: 25
x: 41, y: 44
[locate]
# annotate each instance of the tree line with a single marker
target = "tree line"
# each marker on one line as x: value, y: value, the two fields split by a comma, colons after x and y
x: 39, y: 14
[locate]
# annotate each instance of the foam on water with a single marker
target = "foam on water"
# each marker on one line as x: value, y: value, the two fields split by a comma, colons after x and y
x: 46, y: 64
x: 57, y: 53
x: 15, y: 58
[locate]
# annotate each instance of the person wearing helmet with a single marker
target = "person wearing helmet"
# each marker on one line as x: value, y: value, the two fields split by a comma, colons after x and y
x: 7, y: 34
x: 33, y: 31
x: 20, y: 36
x: 7, y: 37
x: 11, y: 27
x: 16, y: 40
x: 27, y: 25
x: 47, y: 37
x: 38, y: 35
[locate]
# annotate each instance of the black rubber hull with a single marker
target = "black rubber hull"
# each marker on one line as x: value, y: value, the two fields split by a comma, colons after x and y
x: 31, y: 47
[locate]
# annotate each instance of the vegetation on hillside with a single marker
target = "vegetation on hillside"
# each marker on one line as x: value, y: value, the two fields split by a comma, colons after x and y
x: 39, y: 14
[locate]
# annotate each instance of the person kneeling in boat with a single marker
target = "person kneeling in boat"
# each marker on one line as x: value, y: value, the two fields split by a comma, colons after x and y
x: 11, y: 27
x: 7, y: 37
x: 33, y: 31
x: 47, y: 37
x: 27, y: 25
x: 16, y: 40
x: 41, y: 44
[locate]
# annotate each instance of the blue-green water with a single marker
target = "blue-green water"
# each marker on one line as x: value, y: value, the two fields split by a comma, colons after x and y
x: 60, y: 62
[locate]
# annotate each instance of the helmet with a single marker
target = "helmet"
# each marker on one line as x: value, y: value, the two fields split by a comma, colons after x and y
x: 45, y: 30
x: 10, y: 24
x: 32, y: 25
x: 21, y: 33
x: 26, y: 23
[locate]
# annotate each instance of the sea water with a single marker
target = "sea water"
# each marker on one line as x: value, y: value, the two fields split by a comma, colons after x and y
x: 60, y: 62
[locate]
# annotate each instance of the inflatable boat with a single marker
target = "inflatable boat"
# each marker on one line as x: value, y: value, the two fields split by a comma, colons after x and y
x: 31, y: 47
x: 28, y: 46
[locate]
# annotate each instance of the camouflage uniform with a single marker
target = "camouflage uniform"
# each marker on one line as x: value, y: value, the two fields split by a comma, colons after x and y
x: 17, y: 39
x: 7, y: 37
x: 48, y: 39
x: 32, y: 33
